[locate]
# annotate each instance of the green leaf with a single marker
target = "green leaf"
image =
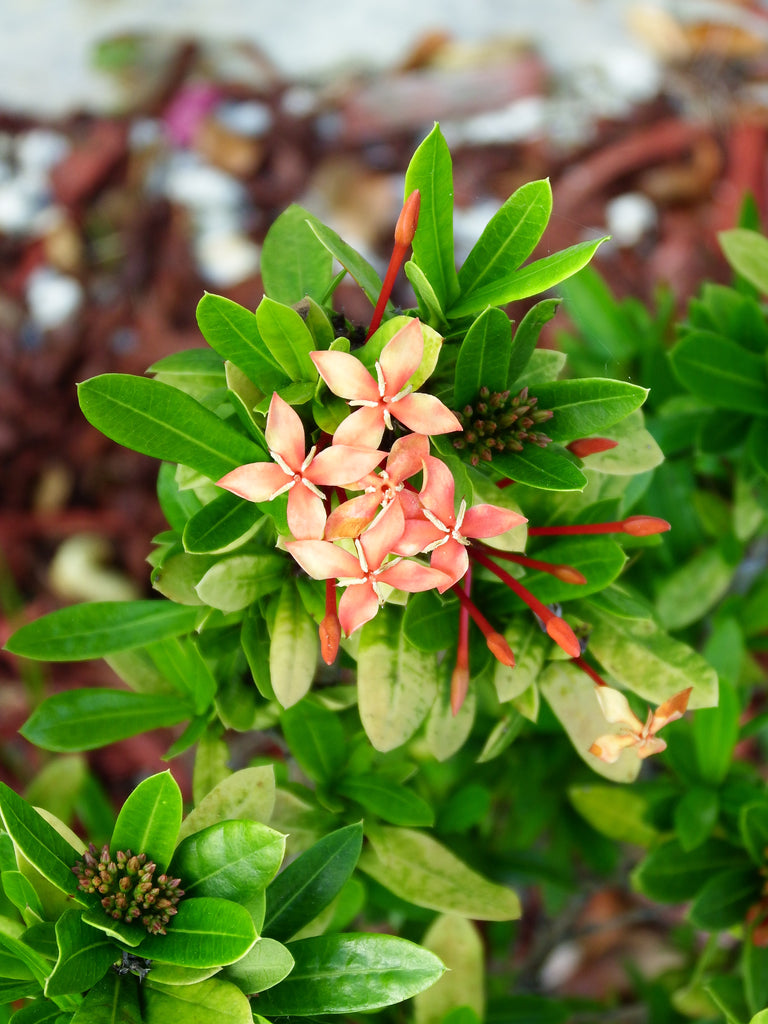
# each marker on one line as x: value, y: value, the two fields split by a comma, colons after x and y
x: 234, y: 333
x: 671, y: 874
x: 754, y: 970
x: 231, y: 860
x: 214, y: 999
x: 293, y: 263
x: 114, y: 1000
x: 181, y: 663
x: 41, y: 1011
x: 430, y: 620
x: 223, y: 524
x: 586, y: 406
x: 757, y: 445
x: 599, y: 559
x: 722, y: 372
x: 417, y: 868
x: 508, y: 240
x: 529, y: 280
x: 715, y: 734
x: 753, y: 827
x: 547, y: 468
x: 396, y: 683
x: 263, y: 966
x: 430, y: 310
x: 687, y: 594
x: 288, y: 339
x: 196, y: 371
x: 234, y: 583
x: 614, y: 811
x: 85, y: 955
x: 316, y: 739
x: 458, y: 945
x: 22, y: 894
x: 352, y: 261
x: 18, y: 950
x: 695, y: 815
x: 248, y: 793
x: 99, y: 628
x: 88, y: 719
x: 747, y: 253
x: 40, y: 843
x: 636, y: 450
x: 388, y: 800
x: 311, y: 882
x: 446, y: 732
x: 149, y: 820
x: 526, y: 336
x: 483, y: 358
x: 161, y: 421
x: 725, y: 898
x: 294, y: 647
x: 430, y: 172
x: 350, y: 974
x: 529, y: 645
x: 206, y: 932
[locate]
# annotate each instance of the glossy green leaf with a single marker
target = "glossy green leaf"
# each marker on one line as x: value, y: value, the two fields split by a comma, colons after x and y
x: 293, y: 262
x: 544, y: 365
x: 161, y: 421
x: 98, y: 628
x: 316, y: 739
x: 508, y: 239
x: 753, y: 827
x: 526, y: 336
x: 457, y: 943
x: 695, y: 815
x: 722, y: 372
x: 85, y: 955
x: 547, y: 468
x: 725, y: 898
x: 181, y: 664
x: 599, y: 559
x: 430, y: 620
x: 747, y: 253
x: 757, y: 444
x: 586, y: 406
x: 387, y: 800
x: 41, y: 1011
x: 214, y: 999
x: 264, y: 965
x: 352, y: 261
x: 669, y: 874
x: 88, y: 719
x: 350, y: 974
x: 233, y: 332
x: 248, y: 793
x: 114, y: 1000
x: 529, y: 646
x: 21, y: 953
x: 149, y: 820
x: 715, y: 734
x: 233, y: 583
x: 130, y: 935
x: 526, y: 281
x: 288, y: 339
x: 40, y: 843
x: 206, y: 932
x: 222, y: 525
x: 483, y: 359
x: 430, y: 310
x: 396, y: 683
x: 310, y: 883
x: 431, y: 173
x: 417, y: 868
x: 22, y: 895
x: 231, y: 860
x: 614, y: 811
x: 294, y: 647
x: 196, y: 371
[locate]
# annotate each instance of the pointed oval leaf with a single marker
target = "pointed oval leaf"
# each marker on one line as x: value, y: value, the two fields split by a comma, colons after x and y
x: 725, y: 898
x: 206, y: 932
x: 526, y: 336
x: 458, y: 945
x: 294, y: 647
x: 233, y: 583
x: 586, y: 406
x: 352, y: 261
x: 149, y: 820
x: 351, y: 974
x: 316, y: 738
x: 722, y: 372
x: 113, y: 1000
x: 390, y: 801
x: 233, y: 332
x: 264, y: 965
x: 40, y: 843
x: 248, y: 793
x: 99, y: 628
x: 547, y: 468
x: 483, y: 358
x: 669, y: 874
x: 288, y: 339
x: 214, y: 999
x: 747, y: 253
x: 85, y: 955
x: 222, y: 525
x: 293, y: 262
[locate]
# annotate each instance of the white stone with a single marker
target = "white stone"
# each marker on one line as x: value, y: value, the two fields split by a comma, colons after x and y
x: 19, y: 203
x: 52, y: 297
x: 40, y: 149
x: 629, y: 217
x: 197, y: 185
x: 226, y: 259
x: 250, y: 117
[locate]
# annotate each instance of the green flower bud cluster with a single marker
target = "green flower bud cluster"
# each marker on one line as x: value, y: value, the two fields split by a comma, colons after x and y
x: 500, y: 423
x: 128, y: 887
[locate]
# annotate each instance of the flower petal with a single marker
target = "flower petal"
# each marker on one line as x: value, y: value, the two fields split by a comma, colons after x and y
x: 651, y: 745
x: 351, y: 517
x: 615, y: 707
x: 452, y: 559
x: 489, y: 521
x: 363, y: 429
x: 285, y: 432
x: 324, y: 561
x: 379, y: 541
x: 257, y: 481
x: 306, y: 514
x: 670, y: 710
x: 406, y: 456
x: 608, y: 748
x: 401, y: 356
x: 417, y: 535
x: 345, y: 375
x: 357, y: 606
x: 342, y: 464
x: 425, y: 414
x: 437, y: 491
x: 412, y: 577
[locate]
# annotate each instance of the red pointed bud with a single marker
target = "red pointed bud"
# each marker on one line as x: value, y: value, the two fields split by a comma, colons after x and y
x: 405, y: 228
x: 568, y: 574
x: 645, y: 526
x: 559, y: 630
x: 500, y: 649
x: 585, y: 446
x: 329, y: 631
x: 459, y: 687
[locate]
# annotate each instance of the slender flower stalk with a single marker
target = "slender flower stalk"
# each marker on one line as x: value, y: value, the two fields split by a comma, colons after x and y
x: 460, y: 677
x: 636, y: 526
x: 566, y: 573
x: 497, y: 645
x: 595, y: 676
x: 557, y: 628
x: 405, y: 229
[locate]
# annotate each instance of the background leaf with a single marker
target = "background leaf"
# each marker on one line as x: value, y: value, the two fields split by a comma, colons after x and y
x: 149, y: 820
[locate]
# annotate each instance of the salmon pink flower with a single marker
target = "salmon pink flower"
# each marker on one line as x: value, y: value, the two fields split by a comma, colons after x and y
x: 390, y: 395
x: 364, y: 573
x: 299, y: 474
x: 446, y: 533
x: 634, y: 733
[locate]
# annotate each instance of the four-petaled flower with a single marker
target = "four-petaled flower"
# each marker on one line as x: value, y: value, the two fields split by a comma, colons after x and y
x: 446, y: 533
x: 635, y: 733
x: 299, y: 474
x: 389, y: 395
x: 363, y: 575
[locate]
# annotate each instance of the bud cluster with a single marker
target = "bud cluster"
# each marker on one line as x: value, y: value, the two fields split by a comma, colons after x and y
x: 128, y: 887
x: 498, y: 422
